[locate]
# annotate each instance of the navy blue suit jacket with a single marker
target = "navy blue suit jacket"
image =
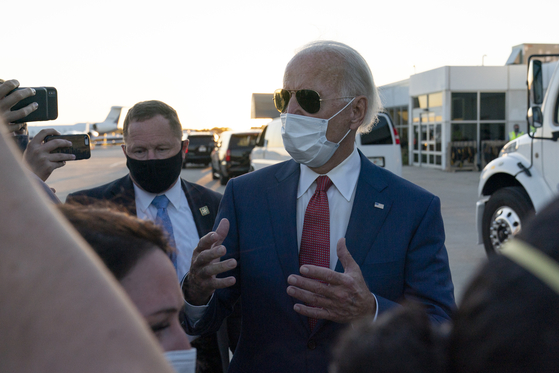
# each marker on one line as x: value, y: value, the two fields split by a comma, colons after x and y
x: 399, y: 248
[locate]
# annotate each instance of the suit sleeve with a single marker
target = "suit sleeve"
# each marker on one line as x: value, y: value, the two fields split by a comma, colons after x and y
x: 223, y: 300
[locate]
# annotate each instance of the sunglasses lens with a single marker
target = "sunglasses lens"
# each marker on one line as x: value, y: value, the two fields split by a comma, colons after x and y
x: 309, y: 100
x: 281, y: 99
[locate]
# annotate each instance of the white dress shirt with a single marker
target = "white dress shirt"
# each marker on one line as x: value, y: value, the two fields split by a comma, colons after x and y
x: 184, y: 228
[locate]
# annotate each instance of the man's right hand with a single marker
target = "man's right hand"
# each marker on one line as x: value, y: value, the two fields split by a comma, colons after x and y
x: 201, y: 281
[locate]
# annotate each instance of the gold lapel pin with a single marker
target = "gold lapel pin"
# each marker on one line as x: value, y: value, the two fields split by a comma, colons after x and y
x: 204, y: 210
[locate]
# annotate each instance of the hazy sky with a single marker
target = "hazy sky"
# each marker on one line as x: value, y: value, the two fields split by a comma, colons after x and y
x: 206, y: 58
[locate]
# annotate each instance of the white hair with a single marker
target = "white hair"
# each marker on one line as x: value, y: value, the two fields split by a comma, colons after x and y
x: 357, y: 78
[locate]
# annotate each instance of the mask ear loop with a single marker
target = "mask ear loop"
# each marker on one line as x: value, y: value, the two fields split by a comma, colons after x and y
x: 342, y: 110
x: 534, y: 261
x: 347, y: 133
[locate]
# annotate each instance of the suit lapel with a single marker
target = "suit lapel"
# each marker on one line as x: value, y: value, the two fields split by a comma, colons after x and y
x: 204, y: 223
x: 282, y: 202
x: 370, y: 209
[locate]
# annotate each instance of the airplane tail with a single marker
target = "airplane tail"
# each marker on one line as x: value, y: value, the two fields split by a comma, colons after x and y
x: 113, y: 122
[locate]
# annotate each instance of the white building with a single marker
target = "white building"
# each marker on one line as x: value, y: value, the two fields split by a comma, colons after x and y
x: 458, y: 117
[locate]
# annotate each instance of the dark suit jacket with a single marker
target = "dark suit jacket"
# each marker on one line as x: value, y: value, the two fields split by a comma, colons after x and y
x: 399, y: 248
x: 121, y: 192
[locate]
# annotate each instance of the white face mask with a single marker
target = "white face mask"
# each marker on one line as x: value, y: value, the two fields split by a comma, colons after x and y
x: 305, y: 138
x: 183, y: 361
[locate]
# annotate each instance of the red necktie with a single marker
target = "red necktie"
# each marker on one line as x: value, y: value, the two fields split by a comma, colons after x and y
x: 315, y: 241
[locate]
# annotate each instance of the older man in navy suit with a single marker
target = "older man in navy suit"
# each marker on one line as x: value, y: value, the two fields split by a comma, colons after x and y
x: 316, y: 242
x: 154, y: 190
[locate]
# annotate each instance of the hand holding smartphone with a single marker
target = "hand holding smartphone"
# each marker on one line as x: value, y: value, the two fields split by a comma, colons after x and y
x: 80, y: 145
x: 47, y: 101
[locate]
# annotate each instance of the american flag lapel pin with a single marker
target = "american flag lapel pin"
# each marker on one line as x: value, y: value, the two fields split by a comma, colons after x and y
x: 379, y: 206
x: 204, y: 210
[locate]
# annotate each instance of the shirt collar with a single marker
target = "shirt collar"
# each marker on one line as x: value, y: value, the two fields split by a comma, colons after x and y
x: 143, y: 198
x: 344, y: 176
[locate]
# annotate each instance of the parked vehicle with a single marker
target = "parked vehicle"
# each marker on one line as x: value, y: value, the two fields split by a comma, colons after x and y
x: 525, y: 177
x: 199, y: 148
x: 231, y: 156
x: 381, y: 145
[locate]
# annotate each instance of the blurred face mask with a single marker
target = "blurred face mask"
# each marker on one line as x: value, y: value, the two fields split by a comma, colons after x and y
x: 305, y: 138
x: 183, y: 361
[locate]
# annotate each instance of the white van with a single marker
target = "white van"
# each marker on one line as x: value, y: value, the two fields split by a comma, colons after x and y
x: 381, y: 145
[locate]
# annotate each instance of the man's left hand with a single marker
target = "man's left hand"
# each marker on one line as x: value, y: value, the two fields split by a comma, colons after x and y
x: 340, y: 297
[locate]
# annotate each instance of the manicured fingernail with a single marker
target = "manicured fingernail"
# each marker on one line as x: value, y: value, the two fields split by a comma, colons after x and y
x: 290, y: 291
x: 35, y: 105
x: 292, y: 280
x: 33, y: 91
x: 304, y: 270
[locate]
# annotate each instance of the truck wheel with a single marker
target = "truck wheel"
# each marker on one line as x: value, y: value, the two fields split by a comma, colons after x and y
x: 504, y: 214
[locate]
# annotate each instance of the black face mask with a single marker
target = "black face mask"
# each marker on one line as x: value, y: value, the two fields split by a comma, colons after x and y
x: 155, y: 175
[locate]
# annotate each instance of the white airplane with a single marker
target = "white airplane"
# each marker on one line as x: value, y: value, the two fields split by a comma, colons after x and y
x: 113, y: 123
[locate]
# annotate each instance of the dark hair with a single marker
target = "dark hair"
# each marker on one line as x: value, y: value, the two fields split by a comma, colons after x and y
x: 148, y: 109
x: 508, y: 320
x: 119, y: 239
x: 401, y: 340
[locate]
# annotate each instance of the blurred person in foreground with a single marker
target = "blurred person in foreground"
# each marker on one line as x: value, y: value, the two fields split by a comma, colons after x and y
x: 508, y: 320
x: 137, y: 254
x: 36, y: 153
x: 403, y: 340
x: 61, y: 309
x: 154, y: 190
x: 317, y: 242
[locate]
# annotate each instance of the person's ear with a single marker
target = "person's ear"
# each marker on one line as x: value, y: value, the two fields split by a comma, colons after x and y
x: 359, y: 108
x: 123, y: 149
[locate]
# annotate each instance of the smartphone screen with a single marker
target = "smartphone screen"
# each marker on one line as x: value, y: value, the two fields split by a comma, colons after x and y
x: 80, y: 145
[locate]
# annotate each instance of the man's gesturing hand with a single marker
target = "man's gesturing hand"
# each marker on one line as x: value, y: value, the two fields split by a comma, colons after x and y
x: 201, y: 281
x: 340, y: 297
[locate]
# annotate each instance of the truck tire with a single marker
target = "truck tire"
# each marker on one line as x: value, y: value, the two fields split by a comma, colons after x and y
x: 503, y: 217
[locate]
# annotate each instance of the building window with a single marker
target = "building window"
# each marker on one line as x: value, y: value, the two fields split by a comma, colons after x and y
x: 492, y: 131
x: 464, y: 106
x: 476, y: 136
x: 464, y: 132
x: 492, y: 106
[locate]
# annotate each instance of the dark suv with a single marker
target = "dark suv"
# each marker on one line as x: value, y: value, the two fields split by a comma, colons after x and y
x: 199, y: 148
x: 230, y: 157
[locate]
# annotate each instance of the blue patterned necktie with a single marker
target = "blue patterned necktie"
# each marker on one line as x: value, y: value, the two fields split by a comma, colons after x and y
x: 162, y: 219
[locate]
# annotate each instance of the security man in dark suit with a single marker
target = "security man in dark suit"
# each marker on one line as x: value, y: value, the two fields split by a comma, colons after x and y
x: 154, y: 190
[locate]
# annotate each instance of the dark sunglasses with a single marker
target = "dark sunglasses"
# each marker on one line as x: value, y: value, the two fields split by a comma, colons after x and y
x: 308, y: 99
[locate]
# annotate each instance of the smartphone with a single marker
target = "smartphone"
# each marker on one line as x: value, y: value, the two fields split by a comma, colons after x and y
x: 80, y: 145
x: 46, y: 98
